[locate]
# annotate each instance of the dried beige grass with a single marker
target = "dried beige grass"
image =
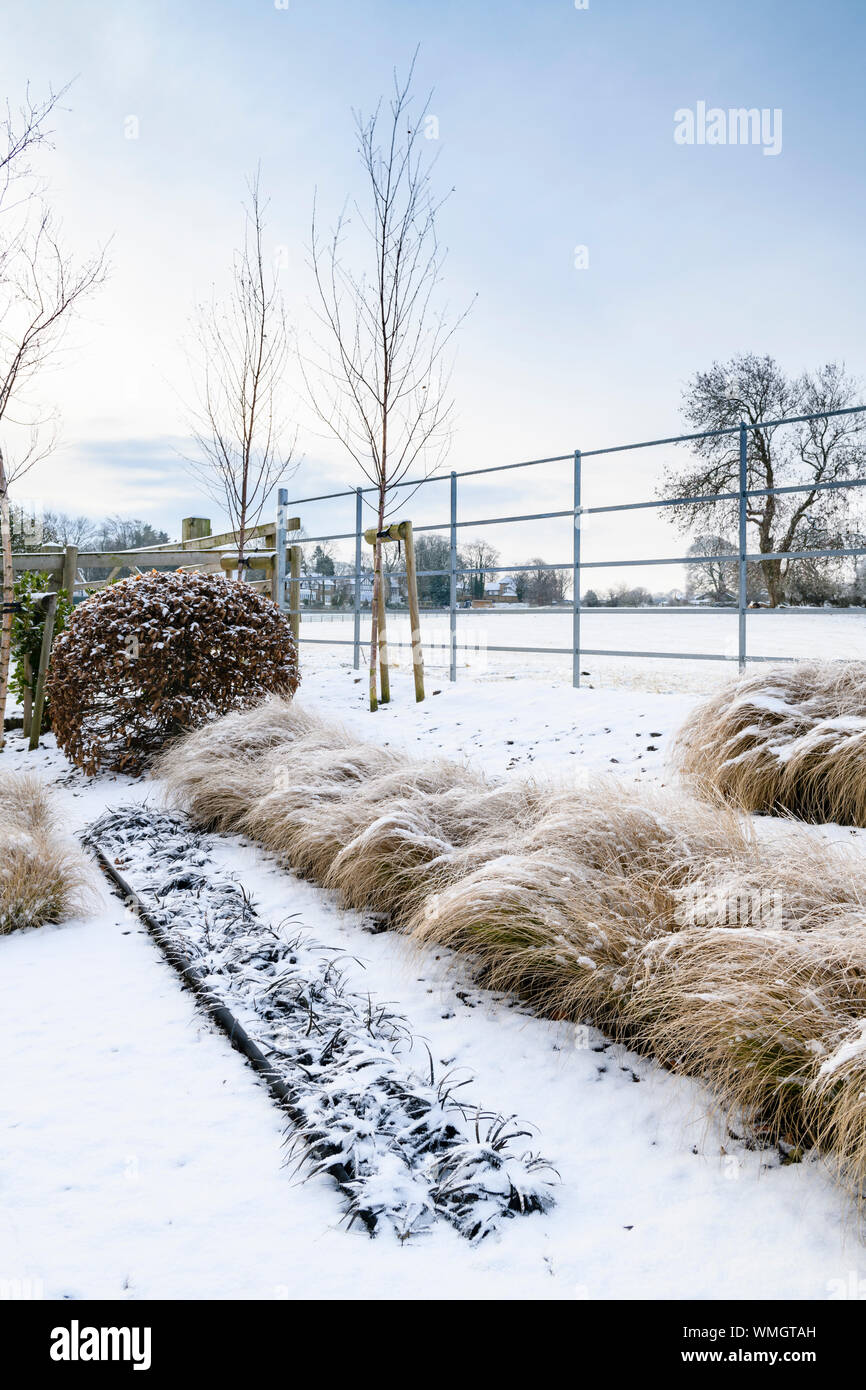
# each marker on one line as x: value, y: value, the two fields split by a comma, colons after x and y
x: 42, y: 879
x: 414, y: 827
x: 559, y: 914
x: 661, y: 918
x: 306, y: 809
x: 213, y: 770
x: 791, y: 739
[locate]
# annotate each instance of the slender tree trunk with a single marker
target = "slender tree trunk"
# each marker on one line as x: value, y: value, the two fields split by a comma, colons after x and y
x: 374, y: 616
x: 242, y: 533
x: 8, y: 594
x: 384, y: 665
x: 773, y: 579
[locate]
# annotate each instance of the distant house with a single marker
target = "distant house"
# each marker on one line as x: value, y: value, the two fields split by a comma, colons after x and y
x: 329, y: 590
x: 317, y: 590
x: 502, y: 589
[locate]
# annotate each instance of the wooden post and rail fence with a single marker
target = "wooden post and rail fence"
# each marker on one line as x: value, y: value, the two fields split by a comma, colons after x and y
x: 198, y: 549
x: 279, y: 563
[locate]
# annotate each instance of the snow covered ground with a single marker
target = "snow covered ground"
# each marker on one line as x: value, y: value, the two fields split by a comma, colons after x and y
x: 142, y: 1158
x: 774, y: 633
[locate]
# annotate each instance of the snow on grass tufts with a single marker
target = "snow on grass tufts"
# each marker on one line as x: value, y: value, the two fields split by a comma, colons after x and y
x: 410, y: 1146
x: 42, y: 879
x: 791, y: 739
x: 661, y: 918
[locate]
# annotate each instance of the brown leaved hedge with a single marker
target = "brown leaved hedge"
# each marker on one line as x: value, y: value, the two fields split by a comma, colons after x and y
x: 157, y: 654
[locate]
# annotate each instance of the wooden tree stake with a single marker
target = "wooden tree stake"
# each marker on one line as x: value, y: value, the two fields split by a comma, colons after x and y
x: 384, y: 665
x: 405, y: 532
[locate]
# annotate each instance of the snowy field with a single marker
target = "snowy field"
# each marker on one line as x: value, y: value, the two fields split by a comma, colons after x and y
x: 779, y: 633
x: 142, y: 1158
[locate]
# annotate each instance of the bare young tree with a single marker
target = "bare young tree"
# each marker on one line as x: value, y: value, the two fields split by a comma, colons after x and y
x: 718, y: 580
x: 546, y: 586
x: 382, y: 384
x: 59, y: 528
x: 810, y: 454
x: 245, y: 443
x: 477, y: 556
x: 40, y: 287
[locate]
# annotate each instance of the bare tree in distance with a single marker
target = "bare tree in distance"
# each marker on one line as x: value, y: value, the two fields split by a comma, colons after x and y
x: 382, y: 386
x: 813, y: 453
x: 546, y: 586
x: 477, y: 555
x: 59, y: 528
x: 245, y: 443
x: 718, y: 580
x: 40, y: 287
x: 128, y: 533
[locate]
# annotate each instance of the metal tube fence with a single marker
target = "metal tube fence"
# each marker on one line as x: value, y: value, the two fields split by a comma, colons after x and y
x: 743, y: 563
x: 452, y: 582
x: 575, y: 577
x: 359, y: 526
x: 576, y: 564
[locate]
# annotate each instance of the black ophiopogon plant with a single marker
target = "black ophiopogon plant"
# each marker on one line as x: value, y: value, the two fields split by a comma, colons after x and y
x: 410, y: 1147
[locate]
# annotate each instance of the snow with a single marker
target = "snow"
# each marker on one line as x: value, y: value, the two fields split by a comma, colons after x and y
x: 143, y: 1159
x: 854, y: 1047
x: 411, y: 1145
x: 769, y: 633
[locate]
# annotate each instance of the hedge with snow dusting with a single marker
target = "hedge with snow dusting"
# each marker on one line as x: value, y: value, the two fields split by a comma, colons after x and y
x: 160, y: 653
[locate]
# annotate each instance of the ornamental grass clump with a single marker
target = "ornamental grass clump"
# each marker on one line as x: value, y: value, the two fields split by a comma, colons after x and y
x: 157, y: 654
x: 42, y: 879
x: 732, y: 953
x: 791, y: 739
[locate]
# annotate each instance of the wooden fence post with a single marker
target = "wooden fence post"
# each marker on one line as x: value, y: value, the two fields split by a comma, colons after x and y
x: 44, y: 657
x: 70, y: 571
x: 193, y: 528
x: 405, y: 532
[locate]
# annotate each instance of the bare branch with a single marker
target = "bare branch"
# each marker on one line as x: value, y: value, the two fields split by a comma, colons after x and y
x: 380, y: 380
x: 40, y: 289
x: 245, y: 443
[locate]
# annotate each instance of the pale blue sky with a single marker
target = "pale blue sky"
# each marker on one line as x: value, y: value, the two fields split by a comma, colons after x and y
x: 556, y: 127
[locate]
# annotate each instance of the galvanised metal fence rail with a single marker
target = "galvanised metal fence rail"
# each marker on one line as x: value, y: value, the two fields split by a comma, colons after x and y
x: 575, y: 564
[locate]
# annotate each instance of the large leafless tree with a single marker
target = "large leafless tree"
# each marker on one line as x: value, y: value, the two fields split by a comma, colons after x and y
x: 809, y: 455
x: 40, y: 287
x: 240, y: 425
x: 382, y: 382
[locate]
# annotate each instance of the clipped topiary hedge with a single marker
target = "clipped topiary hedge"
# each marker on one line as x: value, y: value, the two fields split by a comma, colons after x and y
x: 152, y: 656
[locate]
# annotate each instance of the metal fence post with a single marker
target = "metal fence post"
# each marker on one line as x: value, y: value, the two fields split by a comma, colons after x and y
x: 452, y: 596
x: 741, y: 598
x: 575, y: 579
x: 280, y: 565
x: 359, y: 522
